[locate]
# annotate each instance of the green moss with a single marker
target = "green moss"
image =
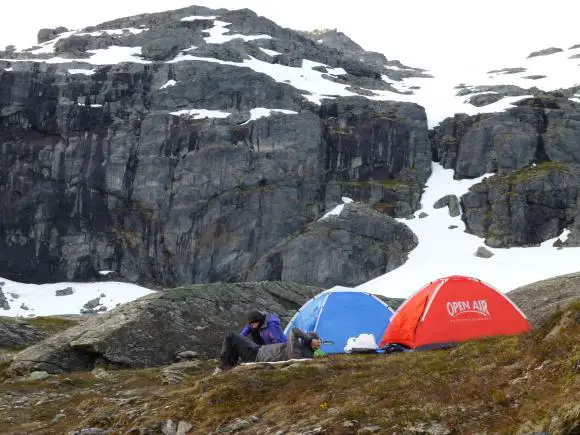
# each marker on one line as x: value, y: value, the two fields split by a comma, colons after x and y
x: 51, y: 325
x: 472, y: 388
x: 129, y: 236
x: 394, y: 184
x: 4, y: 369
x: 539, y: 170
x: 320, y: 32
x: 387, y: 184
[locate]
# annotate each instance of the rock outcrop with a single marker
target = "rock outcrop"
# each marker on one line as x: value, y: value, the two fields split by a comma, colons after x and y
x: 153, y: 330
x: 525, y: 207
x: 15, y: 333
x: 538, y: 130
x: 452, y: 204
x: 376, y: 153
x: 545, y: 52
x: 541, y: 299
x: 328, y: 251
x: 192, y: 158
x: 532, y: 149
x: 4, y: 305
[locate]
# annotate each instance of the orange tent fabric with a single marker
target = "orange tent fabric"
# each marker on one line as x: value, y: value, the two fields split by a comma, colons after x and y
x: 451, y: 310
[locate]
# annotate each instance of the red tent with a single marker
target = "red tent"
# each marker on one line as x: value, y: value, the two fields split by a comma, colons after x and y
x: 451, y: 310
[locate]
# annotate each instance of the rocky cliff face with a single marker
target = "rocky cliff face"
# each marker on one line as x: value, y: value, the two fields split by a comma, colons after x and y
x: 533, y: 150
x: 183, y: 147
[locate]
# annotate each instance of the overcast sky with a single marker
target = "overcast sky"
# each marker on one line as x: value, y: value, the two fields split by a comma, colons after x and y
x: 432, y: 34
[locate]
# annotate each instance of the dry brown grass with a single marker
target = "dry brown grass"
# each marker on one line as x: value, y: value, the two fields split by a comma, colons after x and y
x: 494, y: 385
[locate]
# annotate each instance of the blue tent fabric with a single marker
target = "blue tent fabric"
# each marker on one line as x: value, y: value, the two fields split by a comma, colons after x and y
x: 337, y: 315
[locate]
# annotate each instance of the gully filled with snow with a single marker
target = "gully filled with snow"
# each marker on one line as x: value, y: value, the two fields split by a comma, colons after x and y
x: 444, y: 251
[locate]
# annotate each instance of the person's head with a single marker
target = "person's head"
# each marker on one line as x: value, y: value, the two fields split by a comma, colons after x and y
x: 315, y: 340
x: 255, y: 319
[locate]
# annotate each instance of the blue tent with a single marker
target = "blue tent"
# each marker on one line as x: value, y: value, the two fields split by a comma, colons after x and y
x: 340, y: 313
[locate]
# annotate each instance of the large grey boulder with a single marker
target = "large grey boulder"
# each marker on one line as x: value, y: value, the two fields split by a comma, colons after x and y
x: 480, y: 100
x: 16, y: 333
x: 450, y: 201
x: 3, y: 301
x: 574, y: 237
x: 45, y: 35
x: 483, y: 252
x: 545, y: 52
x: 349, y: 249
x: 162, y: 49
x: 76, y: 45
x: 153, y: 330
x: 541, y: 299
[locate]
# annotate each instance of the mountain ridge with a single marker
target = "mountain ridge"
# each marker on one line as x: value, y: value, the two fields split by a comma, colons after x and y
x: 188, y: 146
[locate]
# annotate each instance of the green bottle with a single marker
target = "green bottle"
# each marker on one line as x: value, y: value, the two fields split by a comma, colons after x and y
x: 319, y: 353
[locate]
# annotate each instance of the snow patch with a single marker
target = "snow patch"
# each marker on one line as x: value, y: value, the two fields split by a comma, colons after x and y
x: 193, y: 47
x: 41, y: 299
x: 304, y: 78
x: 87, y: 72
x: 8, y: 69
x: 96, y: 105
x: 201, y: 113
x: 48, y: 46
x: 262, y: 112
x: 106, y: 56
x: 270, y: 52
x: 217, y: 34
x: 169, y: 84
x: 114, y: 55
x: 106, y: 272
x: 443, y: 251
x: 336, y: 211
x: 399, y: 86
x: 564, y: 236
x: 397, y: 68
x: 198, y: 17
x: 336, y: 71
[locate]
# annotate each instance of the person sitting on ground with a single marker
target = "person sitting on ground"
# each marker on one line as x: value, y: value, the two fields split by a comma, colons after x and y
x: 300, y: 345
x: 263, y: 328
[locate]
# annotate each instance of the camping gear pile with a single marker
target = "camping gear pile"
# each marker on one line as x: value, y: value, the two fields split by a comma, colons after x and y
x: 443, y: 313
